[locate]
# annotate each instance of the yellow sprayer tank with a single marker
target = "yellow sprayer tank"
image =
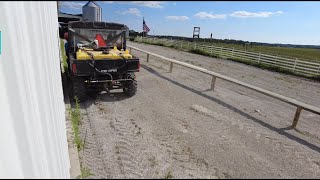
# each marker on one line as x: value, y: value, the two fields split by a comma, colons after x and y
x: 98, y: 55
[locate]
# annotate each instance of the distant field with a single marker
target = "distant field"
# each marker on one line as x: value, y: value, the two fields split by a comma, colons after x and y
x: 300, y: 67
x: 307, y: 54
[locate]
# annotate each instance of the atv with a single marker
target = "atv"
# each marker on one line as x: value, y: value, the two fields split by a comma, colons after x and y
x: 98, y: 58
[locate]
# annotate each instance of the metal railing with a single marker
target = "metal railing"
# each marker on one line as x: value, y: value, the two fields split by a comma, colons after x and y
x: 300, y: 105
x: 292, y: 64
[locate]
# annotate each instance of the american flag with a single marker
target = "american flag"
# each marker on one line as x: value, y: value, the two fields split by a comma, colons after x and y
x: 145, y: 27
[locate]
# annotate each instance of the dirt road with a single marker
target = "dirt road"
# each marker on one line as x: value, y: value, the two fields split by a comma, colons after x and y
x: 174, y: 127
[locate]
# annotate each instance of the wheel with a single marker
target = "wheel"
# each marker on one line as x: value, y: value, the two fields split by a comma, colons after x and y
x: 79, y: 88
x: 130, y: 87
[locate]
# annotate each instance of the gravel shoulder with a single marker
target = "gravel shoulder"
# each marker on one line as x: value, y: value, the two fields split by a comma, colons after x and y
x: 175, y: 127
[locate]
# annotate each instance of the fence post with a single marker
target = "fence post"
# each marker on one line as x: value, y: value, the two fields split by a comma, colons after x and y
x: 246, y: 55
x: 147, y: 57
x: 213, y: 82
x: 181, y: 45
x: 171, y: 66
x: 195, y: 46
x: 259, y: 57
x: 296, y: 117
x: 275, y: 60
x: 295, y: 64
x: 220, y: 51
x: 211, y: 48
x: 232, y: 52
x: 319, y: 69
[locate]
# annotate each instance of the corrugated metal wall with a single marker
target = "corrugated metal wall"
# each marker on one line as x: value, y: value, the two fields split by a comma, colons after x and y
x: 33, y: 141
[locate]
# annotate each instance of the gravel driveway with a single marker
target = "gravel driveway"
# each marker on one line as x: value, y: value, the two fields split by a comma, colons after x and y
x: 175, y: 127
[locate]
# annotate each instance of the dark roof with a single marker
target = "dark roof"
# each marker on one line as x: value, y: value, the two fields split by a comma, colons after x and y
x: 67, y: 15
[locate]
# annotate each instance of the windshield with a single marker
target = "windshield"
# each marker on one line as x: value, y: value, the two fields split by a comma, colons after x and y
x: 100, y: 34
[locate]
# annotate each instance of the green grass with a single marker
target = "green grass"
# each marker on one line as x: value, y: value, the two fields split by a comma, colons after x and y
x: 252, y: 63
x: 85, y: 172
x: 169, y: 175
x: 248, y: 62
x: 75, y: 120
x: 64, y: 57
x: 75, y: 115
x: 201, y: 52
x: 306, y: 54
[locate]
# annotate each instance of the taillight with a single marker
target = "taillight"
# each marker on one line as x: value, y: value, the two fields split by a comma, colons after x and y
x: 138, y: 66
x: 74, y: 68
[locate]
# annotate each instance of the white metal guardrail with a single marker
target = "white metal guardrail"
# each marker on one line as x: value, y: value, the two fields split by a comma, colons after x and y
x: 300, y: 105
x: 295, y: 65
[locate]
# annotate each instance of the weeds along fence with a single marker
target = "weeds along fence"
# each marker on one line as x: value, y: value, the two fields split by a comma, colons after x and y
x: 291, y: 64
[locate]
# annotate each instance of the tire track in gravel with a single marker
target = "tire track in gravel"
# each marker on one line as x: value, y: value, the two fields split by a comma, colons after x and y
x: 91, y: 156
x: 129, y: 154
x: 132, y: 159
x: 124, y: 137
x: 128, y: 149
x: 184, y: 160
x: 133, y: 162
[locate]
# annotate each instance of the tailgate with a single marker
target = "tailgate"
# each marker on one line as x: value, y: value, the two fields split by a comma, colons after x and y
x: 84, y: 67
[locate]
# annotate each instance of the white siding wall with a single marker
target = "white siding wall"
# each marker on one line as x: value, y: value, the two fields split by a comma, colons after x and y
x: 33, y: 141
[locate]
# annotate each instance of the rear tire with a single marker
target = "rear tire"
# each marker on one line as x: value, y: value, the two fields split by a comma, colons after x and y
x: 130, y: 87
x: 79, y: 88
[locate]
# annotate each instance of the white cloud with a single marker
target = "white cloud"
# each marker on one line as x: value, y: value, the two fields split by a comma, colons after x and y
x: 177, y: 18
x: 133, y: 11
x: 108, y: 2
x: 71, y: 5
x: 245, y: 14
x: 151, y: 4
x: 206, y: 15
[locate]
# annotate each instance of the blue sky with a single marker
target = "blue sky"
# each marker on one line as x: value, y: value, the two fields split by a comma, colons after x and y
x: 295, y: 22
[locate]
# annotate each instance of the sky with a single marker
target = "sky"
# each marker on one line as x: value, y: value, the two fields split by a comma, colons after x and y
x: 285, y: 22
